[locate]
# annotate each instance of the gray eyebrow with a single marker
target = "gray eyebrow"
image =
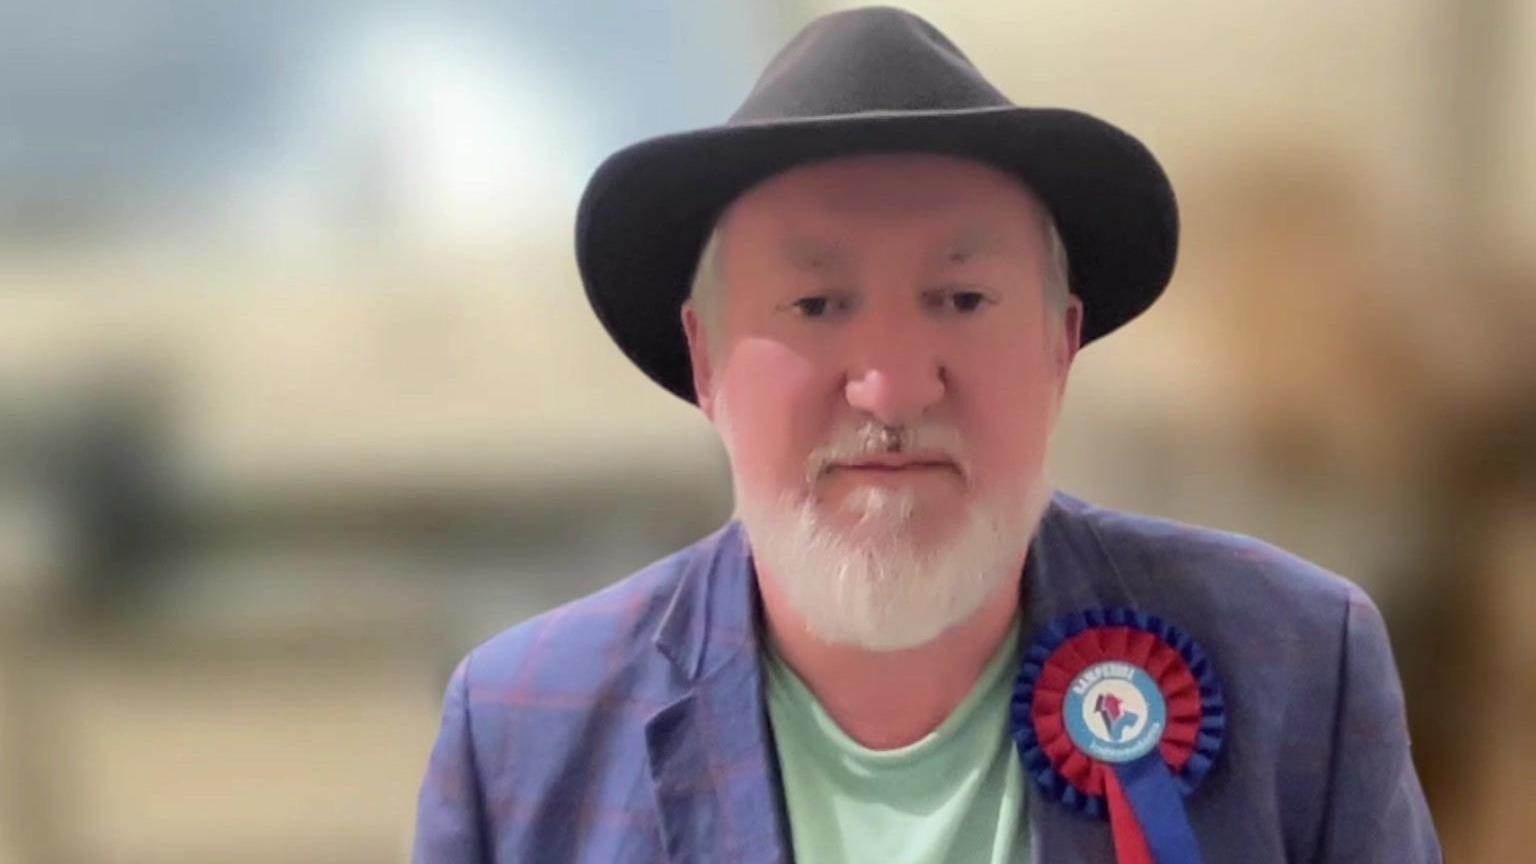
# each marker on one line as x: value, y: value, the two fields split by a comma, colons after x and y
x: 970, y: 244
x: 820, y: 257
x: 813, y: 256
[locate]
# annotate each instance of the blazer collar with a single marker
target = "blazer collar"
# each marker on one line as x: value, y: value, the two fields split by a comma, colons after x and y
x: 711, y: 616
x: 1070, y: 569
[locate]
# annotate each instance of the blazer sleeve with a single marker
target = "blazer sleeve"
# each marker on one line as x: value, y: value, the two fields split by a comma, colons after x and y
x: 1376, y: 807
x: 450, y: 820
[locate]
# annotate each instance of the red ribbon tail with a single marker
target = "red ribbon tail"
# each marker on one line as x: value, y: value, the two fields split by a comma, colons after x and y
x: 1130, y: 843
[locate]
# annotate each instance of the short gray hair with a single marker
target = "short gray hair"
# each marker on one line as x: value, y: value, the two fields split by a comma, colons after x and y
x: 707, y: 294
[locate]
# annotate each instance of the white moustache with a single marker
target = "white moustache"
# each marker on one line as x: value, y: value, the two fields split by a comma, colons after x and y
x: 926, y: 442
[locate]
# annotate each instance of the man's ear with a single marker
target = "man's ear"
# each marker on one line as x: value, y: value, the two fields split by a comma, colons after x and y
x: 699, y: 359
x: 1071, y: 338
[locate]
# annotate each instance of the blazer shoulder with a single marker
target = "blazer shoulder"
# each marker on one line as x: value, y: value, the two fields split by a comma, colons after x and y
x: 1233, y: 572
x: 549, y: 716
x: 1310, y: 691
x: 580, y: 647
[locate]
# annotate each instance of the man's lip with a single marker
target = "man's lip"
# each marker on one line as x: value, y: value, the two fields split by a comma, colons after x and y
x: 893, y: 464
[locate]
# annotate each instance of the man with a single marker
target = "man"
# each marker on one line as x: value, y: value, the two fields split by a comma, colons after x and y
x: 873, y: 280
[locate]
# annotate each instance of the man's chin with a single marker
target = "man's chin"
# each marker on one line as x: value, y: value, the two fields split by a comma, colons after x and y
x: 882, y: 517
x: 918, y: 533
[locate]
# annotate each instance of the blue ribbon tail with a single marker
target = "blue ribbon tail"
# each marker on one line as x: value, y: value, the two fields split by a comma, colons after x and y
x: 1154, y: 796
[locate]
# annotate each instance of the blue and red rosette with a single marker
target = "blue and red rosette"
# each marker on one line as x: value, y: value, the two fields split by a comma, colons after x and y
x: 1118, y: 715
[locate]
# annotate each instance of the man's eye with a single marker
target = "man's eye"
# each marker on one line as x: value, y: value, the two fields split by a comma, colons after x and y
x: 816, y: 307
x: 957, y: 301
x: 967, y: 301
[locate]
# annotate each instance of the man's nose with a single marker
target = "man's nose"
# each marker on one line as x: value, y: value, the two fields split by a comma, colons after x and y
x: 895, y: 378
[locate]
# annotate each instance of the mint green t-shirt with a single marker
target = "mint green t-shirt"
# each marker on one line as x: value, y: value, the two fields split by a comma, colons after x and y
x: 955, y: 795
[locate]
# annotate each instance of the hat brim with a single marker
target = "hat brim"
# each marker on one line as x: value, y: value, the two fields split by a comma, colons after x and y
x: 647, y: 212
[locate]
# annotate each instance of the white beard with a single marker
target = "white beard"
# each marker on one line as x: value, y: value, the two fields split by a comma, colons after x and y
x: 872, y: 585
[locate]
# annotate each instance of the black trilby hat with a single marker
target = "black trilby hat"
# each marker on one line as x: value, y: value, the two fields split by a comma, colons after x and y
x: 865, y: 81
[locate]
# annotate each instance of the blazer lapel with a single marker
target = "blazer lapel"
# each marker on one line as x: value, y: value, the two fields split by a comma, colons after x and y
x: 1068, y: 570
x: 711, y: 757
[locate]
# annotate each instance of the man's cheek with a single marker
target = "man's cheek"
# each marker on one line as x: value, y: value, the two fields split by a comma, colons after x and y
x: 775, y: 372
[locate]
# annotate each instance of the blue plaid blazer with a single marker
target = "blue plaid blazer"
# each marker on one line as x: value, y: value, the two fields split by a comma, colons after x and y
x: 629, y: 726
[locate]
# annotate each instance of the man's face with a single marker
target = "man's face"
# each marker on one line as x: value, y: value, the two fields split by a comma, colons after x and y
x: 902, y: 291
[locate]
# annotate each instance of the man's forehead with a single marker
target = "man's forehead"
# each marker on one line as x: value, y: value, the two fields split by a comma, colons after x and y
x: 822, y: 251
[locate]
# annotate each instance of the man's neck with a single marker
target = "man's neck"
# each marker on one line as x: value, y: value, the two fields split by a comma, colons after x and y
x: 889, y: 699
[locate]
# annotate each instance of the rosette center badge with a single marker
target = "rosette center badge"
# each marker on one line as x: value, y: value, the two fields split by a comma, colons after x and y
x: 1115, y: 712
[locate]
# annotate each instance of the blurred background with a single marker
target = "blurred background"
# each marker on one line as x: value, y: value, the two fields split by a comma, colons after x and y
x: 300, y: 398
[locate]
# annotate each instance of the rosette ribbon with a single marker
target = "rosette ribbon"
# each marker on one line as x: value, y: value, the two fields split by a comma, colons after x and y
x: 1118, y: 714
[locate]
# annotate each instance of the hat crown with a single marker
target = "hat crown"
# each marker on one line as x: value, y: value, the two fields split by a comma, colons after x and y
x: 861, y: 60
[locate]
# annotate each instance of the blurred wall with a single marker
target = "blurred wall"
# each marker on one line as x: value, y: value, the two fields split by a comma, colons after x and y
x: 300, y: 397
